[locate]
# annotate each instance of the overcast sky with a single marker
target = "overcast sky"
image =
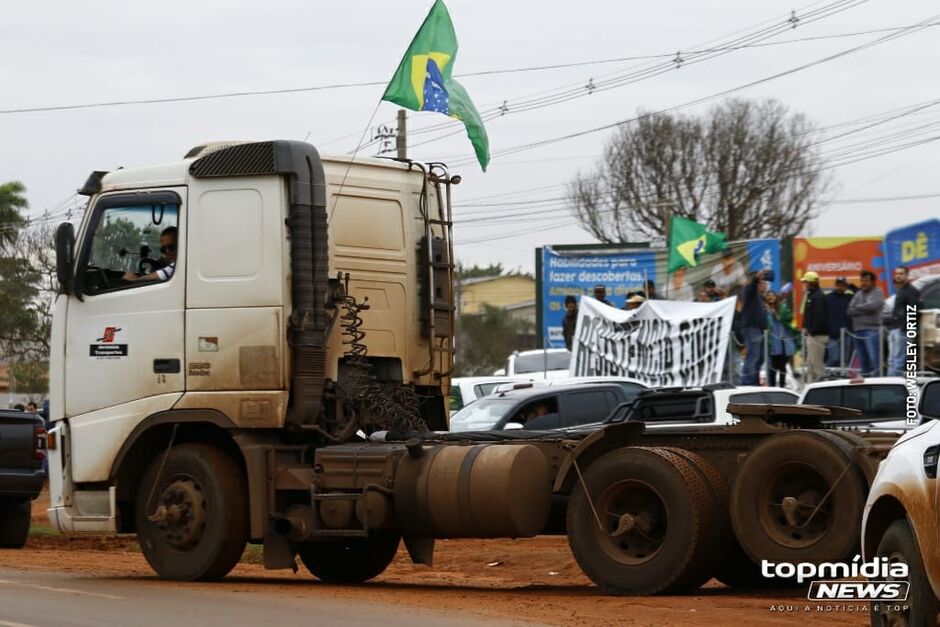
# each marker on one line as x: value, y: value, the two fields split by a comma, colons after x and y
x: 61, y: 53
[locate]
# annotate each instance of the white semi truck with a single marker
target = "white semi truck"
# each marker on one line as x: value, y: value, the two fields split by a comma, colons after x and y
x: 277, y: 375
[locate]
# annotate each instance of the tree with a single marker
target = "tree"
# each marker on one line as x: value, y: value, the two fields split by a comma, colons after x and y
x: 19, y: 278
x: 475, y: 272
x: 485, y: 340
x: 746, y: 169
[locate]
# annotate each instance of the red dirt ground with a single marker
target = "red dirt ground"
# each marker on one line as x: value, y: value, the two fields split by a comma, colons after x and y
x: 534, y: 579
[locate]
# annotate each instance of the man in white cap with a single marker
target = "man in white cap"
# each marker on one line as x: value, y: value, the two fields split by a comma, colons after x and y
x: 816, y: 326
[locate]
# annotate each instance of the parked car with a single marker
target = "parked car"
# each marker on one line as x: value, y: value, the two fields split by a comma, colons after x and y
x: 901, y: 520
x: 540, y: 408
x: 549, y: 363
x: 697, y: 406
x: 928, y: 319
x: 465, y: 390
x: 882, y: 400
x: 22, y: 453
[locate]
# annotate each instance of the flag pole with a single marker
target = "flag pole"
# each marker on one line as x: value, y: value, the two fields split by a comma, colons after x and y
x: 668, y: 217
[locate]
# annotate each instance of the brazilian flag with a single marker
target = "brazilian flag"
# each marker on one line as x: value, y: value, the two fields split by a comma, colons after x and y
x: 688, y: 240
x: 423, y: 80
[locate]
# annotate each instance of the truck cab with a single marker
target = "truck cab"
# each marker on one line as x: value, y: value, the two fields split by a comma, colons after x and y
x: 249, y: 297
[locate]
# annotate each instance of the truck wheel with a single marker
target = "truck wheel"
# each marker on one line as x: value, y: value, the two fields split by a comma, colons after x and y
x: 654, y: 522
x: 779, y: 504
x: 14, y: 523
x: 350, y: 560
x: 722, y: 536
x: 898, y: 544
x: 201, y: 503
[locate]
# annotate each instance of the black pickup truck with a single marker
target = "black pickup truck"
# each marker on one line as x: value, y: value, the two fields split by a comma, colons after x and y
x: 22, y: 457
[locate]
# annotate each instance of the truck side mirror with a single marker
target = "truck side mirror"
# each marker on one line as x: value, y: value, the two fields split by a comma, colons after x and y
x: 65, y: 256
x: 930, y: 400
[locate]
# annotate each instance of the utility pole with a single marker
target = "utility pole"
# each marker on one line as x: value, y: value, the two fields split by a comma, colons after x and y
x: 402, y: 137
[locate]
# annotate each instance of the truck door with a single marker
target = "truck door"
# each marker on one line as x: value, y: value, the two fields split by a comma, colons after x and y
x: 124, y: 338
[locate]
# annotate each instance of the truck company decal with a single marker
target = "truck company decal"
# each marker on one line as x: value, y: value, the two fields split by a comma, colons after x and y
x: 661, y: 344
x: 106, y: 348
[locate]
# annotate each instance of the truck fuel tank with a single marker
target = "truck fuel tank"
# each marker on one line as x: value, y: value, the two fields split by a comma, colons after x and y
x: 476, y: 491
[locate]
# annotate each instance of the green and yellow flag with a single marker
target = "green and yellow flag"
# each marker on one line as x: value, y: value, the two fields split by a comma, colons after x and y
x: 423, y: 80
x: 688, y: 240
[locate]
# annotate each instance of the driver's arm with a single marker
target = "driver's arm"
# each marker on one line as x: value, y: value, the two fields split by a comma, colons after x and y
x: 163, y: 274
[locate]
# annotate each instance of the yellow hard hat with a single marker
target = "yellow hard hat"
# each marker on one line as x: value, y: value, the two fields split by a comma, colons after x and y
x: 810, y: 277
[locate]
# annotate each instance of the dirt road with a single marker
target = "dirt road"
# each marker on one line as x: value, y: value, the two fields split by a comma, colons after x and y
x: 533, y: 580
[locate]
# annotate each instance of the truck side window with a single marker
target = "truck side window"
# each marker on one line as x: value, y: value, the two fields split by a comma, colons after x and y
x: 131, y: 246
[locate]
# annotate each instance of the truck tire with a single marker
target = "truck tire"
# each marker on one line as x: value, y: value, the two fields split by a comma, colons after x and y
x: 779, y: 508
x: 721, y: 534
x: 654, y: 508
x: 350, y: 560
x: 202, y: 494
x: 898, y: 544
x: 14, y: 523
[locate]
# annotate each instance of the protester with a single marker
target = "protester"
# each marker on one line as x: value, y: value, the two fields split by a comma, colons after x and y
x: 570, y: 321
x: 780, y: 344
x: 816, y: 326
x: 678, y: 288
x: 753, y: 325
x: 905, y: 295
x: 649, y: 288
x: 600, y: 293
x: 728, y: 274
x: 19, y: 407
x: 634, y: 301
x: 32, y: 407
x: 837, y: 302
x: 711, y: 291
x: 865, y: 313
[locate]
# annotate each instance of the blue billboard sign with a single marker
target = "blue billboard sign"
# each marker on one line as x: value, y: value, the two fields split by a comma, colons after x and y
x: 916, y: 246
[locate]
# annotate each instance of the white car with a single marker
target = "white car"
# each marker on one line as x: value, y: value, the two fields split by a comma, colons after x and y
x: 901, y: 520
x: 548, y: 363
x: 882, y: 400
x: 465, y: 390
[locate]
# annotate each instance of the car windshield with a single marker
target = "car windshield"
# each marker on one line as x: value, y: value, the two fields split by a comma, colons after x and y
x: 481, y: 415
x: 538, y: 362
x: 484, y: 389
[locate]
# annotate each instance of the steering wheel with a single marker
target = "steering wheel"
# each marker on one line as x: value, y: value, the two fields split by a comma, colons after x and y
x: 146, y: 265
x: 100, y: 277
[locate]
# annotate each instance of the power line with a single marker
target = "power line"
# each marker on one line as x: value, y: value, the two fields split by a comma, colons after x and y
x: 870, y: 44
x: 810, y: 17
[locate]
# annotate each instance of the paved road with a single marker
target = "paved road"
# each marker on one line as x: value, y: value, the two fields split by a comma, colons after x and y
x: 31, y: 599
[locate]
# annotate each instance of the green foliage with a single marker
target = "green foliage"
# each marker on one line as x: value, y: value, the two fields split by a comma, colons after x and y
x: 485, y: 340
x: 31, y: 377
x: 12, y: 202
x: 19, y: 276
x: 476, y: 272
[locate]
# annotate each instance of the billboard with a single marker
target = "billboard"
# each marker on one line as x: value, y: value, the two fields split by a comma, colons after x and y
x: 832, y: 257
x: 622, y: 271
x: 916, y: 246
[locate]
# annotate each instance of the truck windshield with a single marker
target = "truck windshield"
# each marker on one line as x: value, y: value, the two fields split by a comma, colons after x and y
x: 538, y: 362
